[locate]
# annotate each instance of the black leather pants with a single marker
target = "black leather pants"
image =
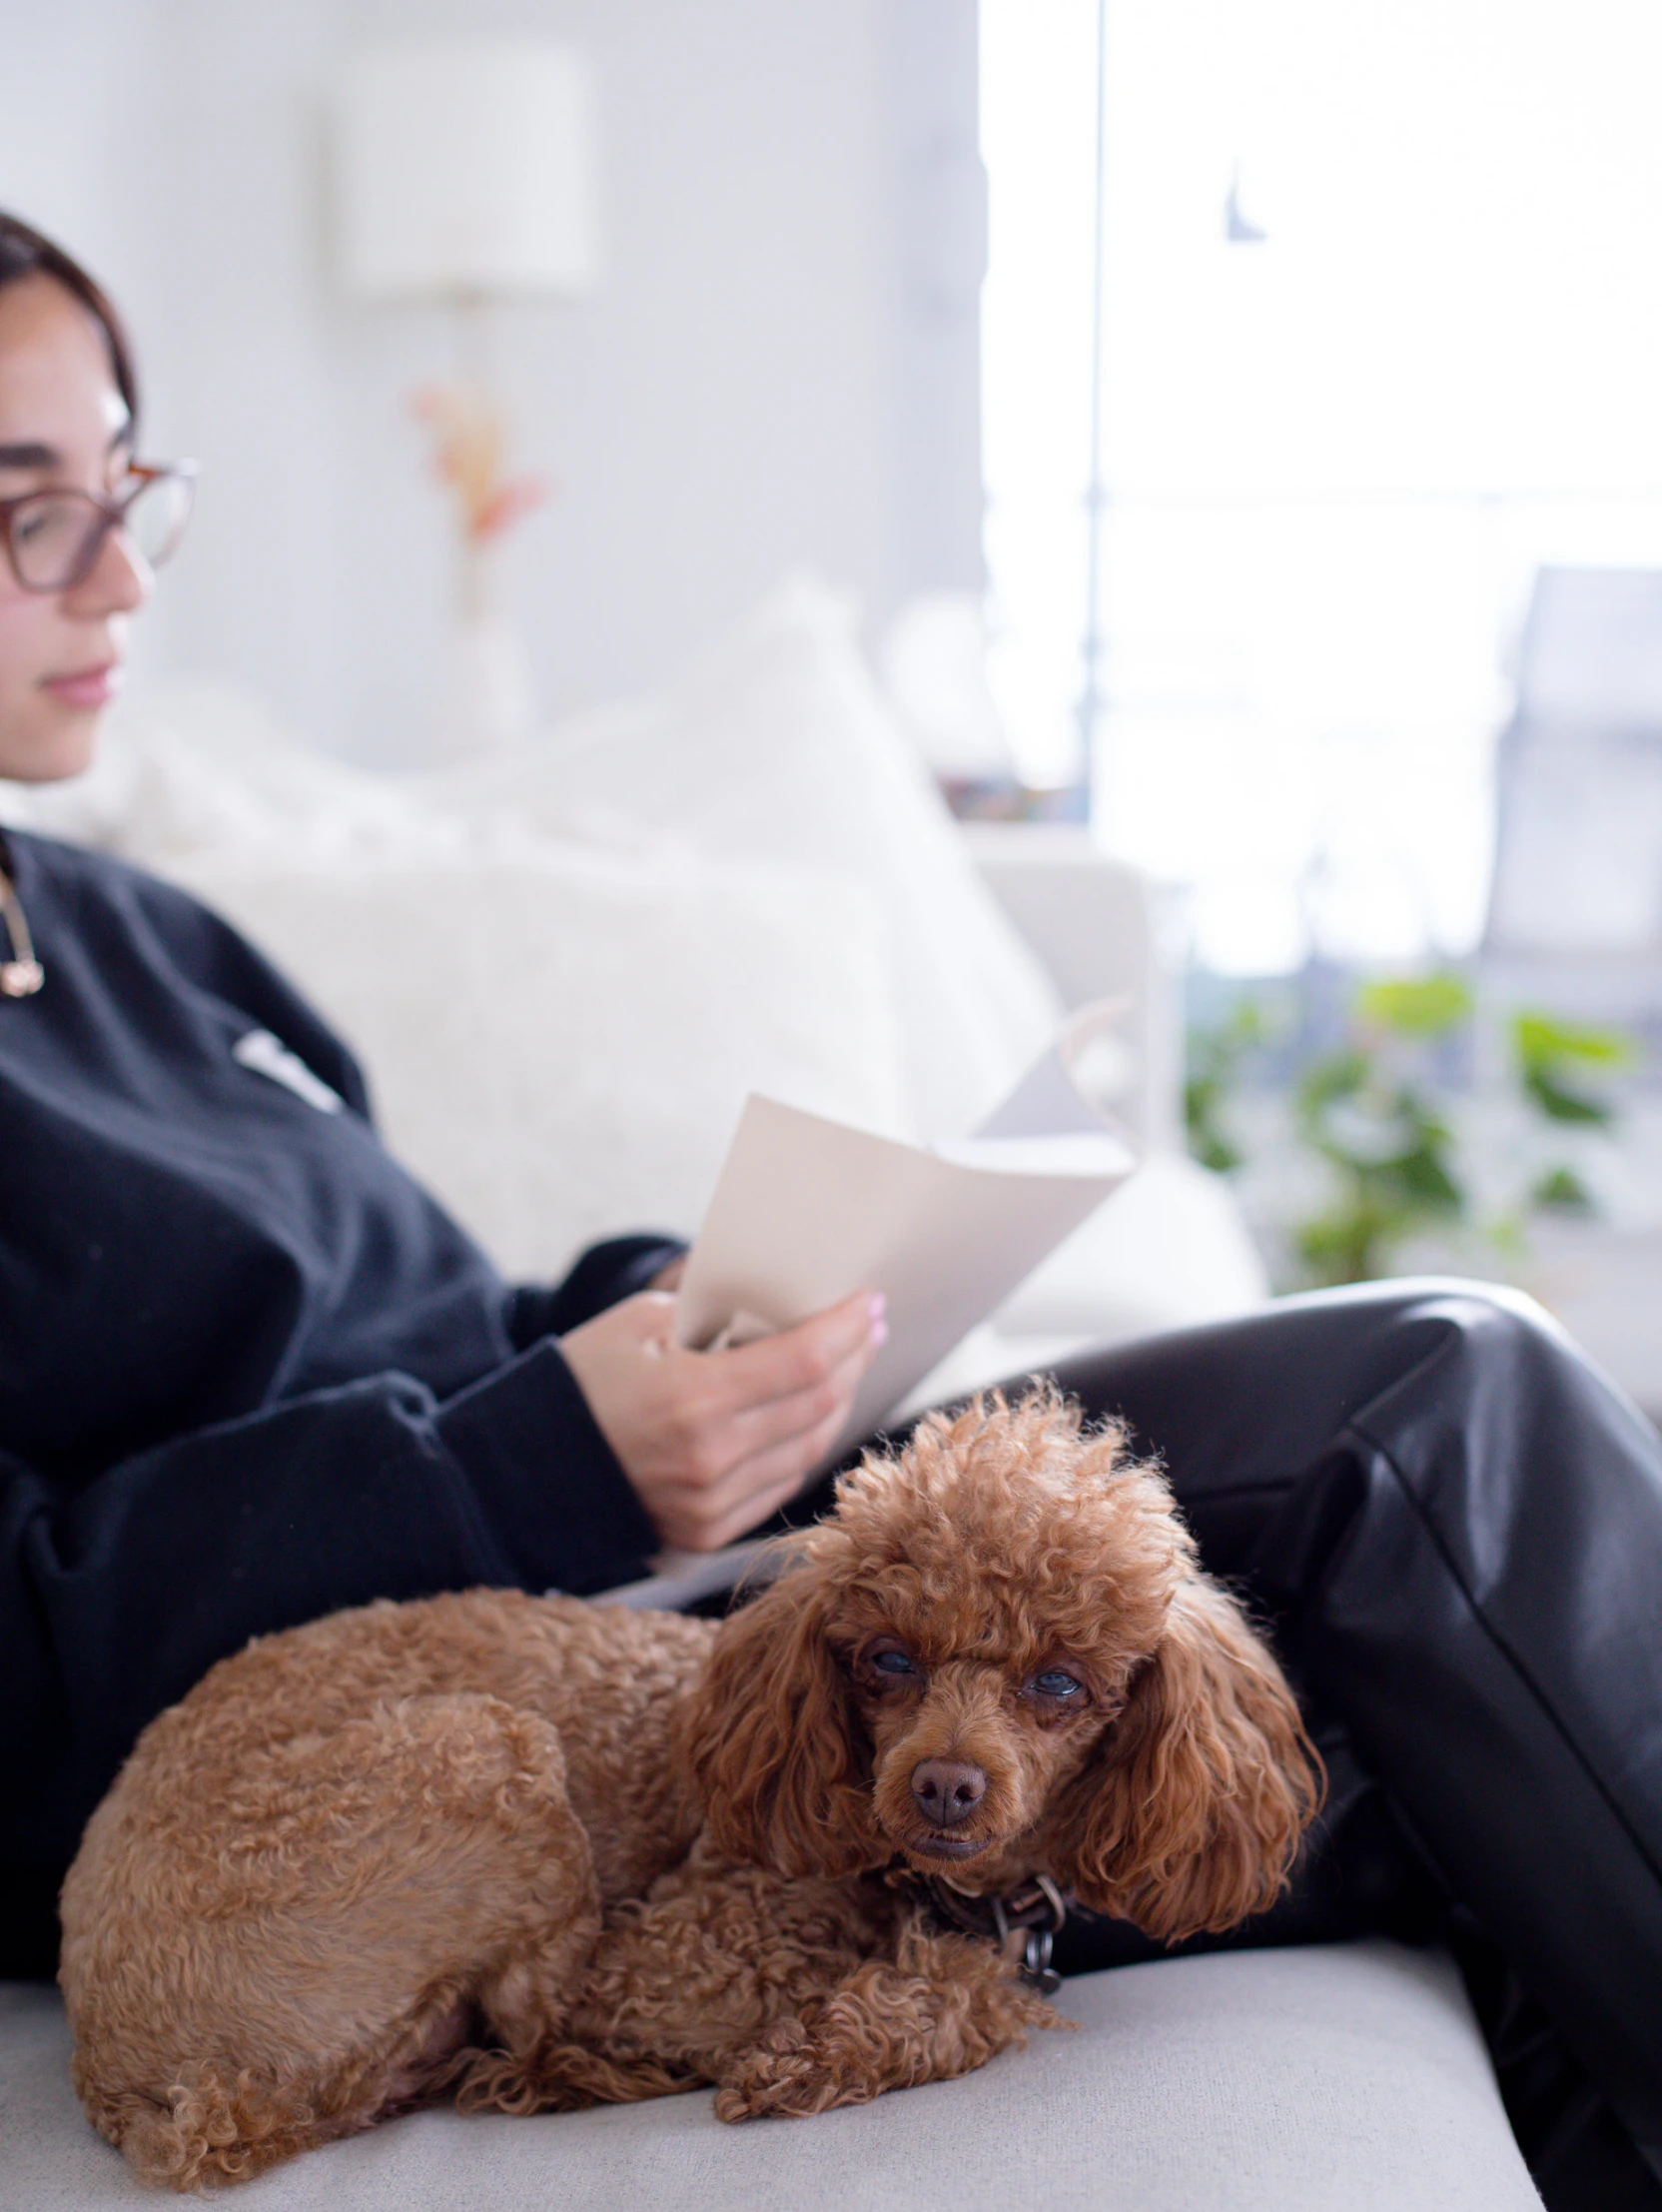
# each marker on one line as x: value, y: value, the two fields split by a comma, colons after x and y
x: 1453, y: 1526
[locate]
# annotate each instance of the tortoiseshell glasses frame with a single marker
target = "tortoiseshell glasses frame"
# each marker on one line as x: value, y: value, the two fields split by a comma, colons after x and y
x: 53, y: 537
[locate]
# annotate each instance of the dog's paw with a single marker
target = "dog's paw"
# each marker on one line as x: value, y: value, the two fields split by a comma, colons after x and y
x: 785, y: 2076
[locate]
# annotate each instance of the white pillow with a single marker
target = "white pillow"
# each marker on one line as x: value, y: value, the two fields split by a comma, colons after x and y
x: 776, y: 746
x: 558, y: 1045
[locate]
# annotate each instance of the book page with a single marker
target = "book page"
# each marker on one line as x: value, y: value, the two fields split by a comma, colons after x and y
x: 807, y: 1210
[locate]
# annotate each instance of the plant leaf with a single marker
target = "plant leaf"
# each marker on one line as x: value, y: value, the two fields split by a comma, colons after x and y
x: 1337, y: 1075
x: 1416, y: 1006
x: 1561, y: 1191
x: 1559, y: 1104
x: 1541, y: 1039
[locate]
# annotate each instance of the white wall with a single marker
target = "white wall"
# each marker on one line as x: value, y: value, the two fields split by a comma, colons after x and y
x: 780, y: 367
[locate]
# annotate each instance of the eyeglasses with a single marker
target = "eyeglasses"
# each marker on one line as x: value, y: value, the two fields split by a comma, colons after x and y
x: 54, y: 538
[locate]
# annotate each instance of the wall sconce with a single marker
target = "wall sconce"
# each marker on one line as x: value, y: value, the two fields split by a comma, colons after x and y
x: 467, y: 176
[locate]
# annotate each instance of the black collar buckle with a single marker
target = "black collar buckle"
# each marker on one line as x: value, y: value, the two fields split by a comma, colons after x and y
x: 1023, y: 1923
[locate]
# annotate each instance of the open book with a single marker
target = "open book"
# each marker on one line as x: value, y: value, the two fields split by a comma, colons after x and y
x: 806, y: 1210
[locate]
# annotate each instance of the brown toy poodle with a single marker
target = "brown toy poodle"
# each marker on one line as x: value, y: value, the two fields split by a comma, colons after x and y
x: 546, y: 1853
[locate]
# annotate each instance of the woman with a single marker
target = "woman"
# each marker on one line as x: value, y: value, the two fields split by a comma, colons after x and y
x: 253, y: 1373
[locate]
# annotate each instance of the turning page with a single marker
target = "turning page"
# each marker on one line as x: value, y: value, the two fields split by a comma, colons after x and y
x: 807, y: 1210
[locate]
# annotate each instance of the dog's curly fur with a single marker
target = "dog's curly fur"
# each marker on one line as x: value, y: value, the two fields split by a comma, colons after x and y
x: 547, y: 1853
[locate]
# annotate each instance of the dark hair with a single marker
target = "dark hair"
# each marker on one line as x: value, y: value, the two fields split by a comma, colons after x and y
x: 25, y: 253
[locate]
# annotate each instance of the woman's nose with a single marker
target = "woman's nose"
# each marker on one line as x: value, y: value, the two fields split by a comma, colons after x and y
x: 118, y: 583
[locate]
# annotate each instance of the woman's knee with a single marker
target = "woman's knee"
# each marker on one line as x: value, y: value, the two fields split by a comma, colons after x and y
x: 1493, y: 1333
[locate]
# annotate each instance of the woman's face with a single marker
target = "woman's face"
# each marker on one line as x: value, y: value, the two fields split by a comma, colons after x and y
x: 62, y: 423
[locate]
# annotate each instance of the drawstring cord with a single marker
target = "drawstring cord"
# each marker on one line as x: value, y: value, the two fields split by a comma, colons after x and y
x: 22, y: 975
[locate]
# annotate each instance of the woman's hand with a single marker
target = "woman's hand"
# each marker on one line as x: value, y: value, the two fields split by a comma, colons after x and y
x: 713, y: 1442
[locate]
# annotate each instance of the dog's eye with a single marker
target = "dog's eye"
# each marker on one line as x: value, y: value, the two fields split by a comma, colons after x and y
x: 1055, y: 1681
x: 892, y: 1663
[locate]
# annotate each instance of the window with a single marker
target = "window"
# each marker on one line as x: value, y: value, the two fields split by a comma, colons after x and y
x: 1382, y: 332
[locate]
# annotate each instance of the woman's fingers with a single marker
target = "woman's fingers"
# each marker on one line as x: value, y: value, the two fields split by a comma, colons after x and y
x: 713, y: 1442
x: 795, y: 1360
x: 767, y: 1453
x: 706, y: 1518
x: 686, y: 1521
x: 734, y: 1406
x: 780, y: 1445
x: 755, y: 1430
x: 759, y: 1485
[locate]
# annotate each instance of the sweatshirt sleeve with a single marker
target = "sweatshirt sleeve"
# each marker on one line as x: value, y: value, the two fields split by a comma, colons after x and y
x: 116, y: 1597
x: 598, y: 1278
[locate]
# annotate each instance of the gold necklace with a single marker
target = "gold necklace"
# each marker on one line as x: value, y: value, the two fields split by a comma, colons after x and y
x: 22, y: 975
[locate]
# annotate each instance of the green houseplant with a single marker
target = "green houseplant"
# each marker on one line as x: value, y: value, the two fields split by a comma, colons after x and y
x: 1376, y: 1116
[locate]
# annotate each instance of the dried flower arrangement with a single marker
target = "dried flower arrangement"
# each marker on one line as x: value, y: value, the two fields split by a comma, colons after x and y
x: 470, y: 459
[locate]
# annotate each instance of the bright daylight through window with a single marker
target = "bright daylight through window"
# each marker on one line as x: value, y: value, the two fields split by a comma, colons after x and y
x: 1379, y: 288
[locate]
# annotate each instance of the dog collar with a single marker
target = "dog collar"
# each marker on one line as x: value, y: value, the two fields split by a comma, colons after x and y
x: 1023, y: 1922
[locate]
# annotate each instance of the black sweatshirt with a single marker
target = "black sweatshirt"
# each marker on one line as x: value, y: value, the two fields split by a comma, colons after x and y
x: 249, y: 1370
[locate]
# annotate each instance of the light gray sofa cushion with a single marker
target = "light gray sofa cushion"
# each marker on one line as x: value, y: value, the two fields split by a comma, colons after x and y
x: 1349, y: 2078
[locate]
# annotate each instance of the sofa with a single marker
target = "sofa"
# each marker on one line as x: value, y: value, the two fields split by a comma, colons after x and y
x: 565, y: 966
x: 1340, y: 2078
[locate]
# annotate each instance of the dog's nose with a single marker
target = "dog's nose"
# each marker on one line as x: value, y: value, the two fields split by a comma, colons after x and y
x: 947, y: 1791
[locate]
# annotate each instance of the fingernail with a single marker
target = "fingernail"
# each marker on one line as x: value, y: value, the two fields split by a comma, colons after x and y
x: 879, y: 1306
x: 879, y: 1331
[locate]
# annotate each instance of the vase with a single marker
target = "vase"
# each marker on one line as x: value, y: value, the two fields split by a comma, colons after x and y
x: 487, y: 700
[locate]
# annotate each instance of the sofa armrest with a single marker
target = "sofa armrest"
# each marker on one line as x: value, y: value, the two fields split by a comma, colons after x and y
x: 1095, y: 923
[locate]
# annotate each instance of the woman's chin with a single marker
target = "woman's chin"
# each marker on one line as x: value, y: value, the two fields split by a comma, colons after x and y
x: 52, y: 747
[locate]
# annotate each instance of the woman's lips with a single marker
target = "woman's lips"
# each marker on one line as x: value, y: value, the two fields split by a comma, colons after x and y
x: 93, y: 687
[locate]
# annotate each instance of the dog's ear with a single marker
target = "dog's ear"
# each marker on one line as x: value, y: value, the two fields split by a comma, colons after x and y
x: 775, y: 1746
x: 1189, y: 1815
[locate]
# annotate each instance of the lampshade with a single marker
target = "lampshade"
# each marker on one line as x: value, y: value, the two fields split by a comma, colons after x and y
x: 467, y: 166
